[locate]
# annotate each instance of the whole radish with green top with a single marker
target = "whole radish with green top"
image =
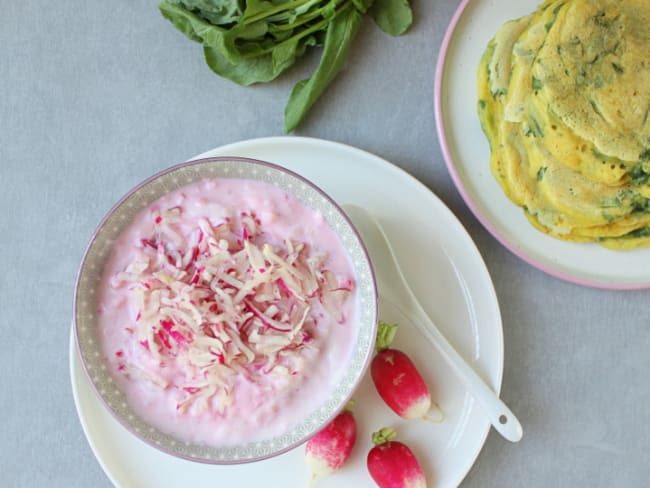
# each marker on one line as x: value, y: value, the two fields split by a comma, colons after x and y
x: 396, y: 378
x: 392, y: 464
x: 328, y: 450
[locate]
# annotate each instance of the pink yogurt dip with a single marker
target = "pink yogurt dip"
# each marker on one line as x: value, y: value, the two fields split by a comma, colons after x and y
x: 168, y: 313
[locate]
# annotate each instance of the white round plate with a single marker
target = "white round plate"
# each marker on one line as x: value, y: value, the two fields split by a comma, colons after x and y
x: 446, y: 272
x: 467, y: 154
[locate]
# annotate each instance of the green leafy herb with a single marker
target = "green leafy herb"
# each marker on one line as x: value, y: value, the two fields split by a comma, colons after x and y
x: 537, y: 84
x: 599, y: 155
x: 550, y: 23
x: 394, y: 17
x: 618, y: 68
x: 601, y: 20
x: 499, y: 92
x: 611, y: 203
x: 640, y: 204
x: 340, y: 33
x: 639, y: 175
x: 536, y: 128
x: 631, y: 199
x: 540, y: 173
x: 214, y: 11
x: 642, y: 232
x: 595, y: 107
x: 255, y: 41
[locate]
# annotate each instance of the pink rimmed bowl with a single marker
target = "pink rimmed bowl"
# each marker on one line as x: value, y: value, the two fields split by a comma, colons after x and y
x: 90, y: 274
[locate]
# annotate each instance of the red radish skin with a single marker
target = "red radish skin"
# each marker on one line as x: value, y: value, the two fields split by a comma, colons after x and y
x: 396, y: 378
x: 392, y: 464
x: 328, y: 450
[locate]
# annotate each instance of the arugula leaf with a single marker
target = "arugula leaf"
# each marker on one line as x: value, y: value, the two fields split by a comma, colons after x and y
x: 254, y: 41
x: 363, y: 5
x: 182, y: 21
x: 257, y: 10
x: 288, y: 26
x: 202, y: 31
x: 394, y: 17
x: 340, y: 32
x: 293, y: 19
x: 258, y: 69
x: 217, y: 12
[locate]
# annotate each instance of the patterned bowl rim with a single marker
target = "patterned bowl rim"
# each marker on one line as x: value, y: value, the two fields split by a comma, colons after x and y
x: 361, y: 355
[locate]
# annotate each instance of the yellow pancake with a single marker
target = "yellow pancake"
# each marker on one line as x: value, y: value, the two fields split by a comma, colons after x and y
x: 594, y: 75
x: 567, y: 170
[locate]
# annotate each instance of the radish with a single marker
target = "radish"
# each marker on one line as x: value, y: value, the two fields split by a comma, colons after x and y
x: 392, y: 464
x: 396, y: 378
x: 328, y: 450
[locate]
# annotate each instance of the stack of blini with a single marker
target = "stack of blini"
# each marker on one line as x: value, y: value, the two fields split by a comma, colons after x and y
x: 564, y: 99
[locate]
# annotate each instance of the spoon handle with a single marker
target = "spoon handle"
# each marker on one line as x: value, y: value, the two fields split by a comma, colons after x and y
x: 501, y: 417
x: 393, y: 285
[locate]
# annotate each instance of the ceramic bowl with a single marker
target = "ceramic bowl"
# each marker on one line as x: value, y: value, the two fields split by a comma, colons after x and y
x: 90, y: 274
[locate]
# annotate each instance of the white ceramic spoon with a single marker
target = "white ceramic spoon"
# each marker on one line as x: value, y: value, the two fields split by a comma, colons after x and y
x: 394, y: 287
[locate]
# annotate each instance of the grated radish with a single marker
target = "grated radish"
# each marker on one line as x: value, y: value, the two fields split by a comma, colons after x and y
x: 216, y: 299
x: 396, y: 378
x: 329, y: 450
x: 392, y: 464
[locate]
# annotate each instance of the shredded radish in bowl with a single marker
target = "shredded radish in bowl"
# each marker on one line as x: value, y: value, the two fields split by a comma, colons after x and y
x: 217, y: 300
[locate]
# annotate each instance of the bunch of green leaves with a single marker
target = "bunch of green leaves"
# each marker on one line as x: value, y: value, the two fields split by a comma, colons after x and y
x: 254, y: 41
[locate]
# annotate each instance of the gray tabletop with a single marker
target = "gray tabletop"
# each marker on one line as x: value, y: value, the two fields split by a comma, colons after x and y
x: 96, y: 96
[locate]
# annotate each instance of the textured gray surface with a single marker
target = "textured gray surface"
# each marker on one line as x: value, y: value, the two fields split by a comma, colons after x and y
x: 96, y: 96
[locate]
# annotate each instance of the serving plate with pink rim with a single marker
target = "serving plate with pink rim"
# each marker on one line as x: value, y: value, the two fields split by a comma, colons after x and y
x: 467, y: 153
x: 446, y: 272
